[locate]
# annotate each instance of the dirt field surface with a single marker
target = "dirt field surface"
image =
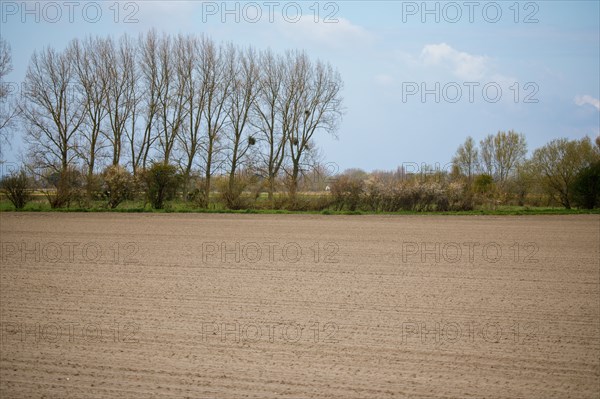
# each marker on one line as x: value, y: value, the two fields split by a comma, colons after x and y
x: 299, y: 306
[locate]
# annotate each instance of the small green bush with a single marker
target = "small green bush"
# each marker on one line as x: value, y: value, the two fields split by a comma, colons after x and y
x: 161, y: 181
x: 586, y: 187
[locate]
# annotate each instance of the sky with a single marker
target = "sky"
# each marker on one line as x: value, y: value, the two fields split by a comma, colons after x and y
x: 419, y: 77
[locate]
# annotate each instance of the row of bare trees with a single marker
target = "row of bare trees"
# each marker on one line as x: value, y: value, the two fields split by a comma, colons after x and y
x: 182, y: 100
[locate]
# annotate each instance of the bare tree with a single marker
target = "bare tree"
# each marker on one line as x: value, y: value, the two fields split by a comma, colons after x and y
x: 245, y: 72
x: 9, y: 108
x: 6, y: 66
x: 52, y: 111
x: 194, y: 90
x: 149, y: 91
x: 500, y: 154
x: 90, y: 72
x: 466, y: 158
x: 486, y: 163
x: 268, y: 123
x: 313, y: 104
x: 137, y: 147
x: 171, y: 94
x: 218, y: 80
x: 120, y: 85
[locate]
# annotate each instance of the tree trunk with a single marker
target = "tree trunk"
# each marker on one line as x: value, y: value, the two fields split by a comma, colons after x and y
x: 207, y: 175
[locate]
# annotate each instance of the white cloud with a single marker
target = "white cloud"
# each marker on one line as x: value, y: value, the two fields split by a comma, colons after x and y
x: 583, y: 100
x: 463, y: 65
x: 342, y: 34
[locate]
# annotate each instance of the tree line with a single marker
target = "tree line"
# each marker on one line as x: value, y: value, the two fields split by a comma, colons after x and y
x: 160, y: 116
x: 185, y: 103
x: 562, y: 171
x: 496, y: 171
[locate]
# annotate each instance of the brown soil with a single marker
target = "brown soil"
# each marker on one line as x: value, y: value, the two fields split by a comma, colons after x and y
x: 228, y: 306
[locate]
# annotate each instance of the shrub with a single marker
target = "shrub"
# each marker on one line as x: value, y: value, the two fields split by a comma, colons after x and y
x: 68, y: 186
x: 16, y: 188
x: 94, y: 187
x: 485, y: 190
x: 309, y: 202
x: 279, y: 202
x: 118, y: 185
x: 483, y: 184
x: 418, y: 196
x: 161, y: 181
x: 232, y: 195
x: 372, y: 194
x: 198, y: 194
x: 347, y: 192
x: 459, y: 196
x: 401, y: 197
x: 193, y: 195
x: 586, y: 187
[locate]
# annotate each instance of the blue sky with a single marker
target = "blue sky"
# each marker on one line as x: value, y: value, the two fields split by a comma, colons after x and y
x: 528, y: 66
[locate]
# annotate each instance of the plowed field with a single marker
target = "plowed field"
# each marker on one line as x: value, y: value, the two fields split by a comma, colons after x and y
x: 299, y: 306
